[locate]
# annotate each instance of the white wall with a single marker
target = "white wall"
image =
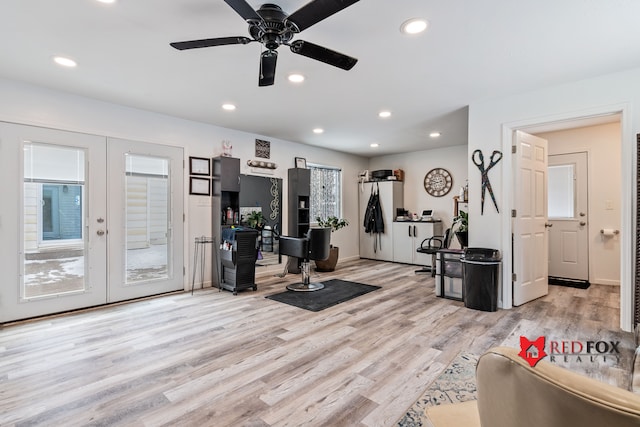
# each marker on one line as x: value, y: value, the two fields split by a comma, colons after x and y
x: 491, y: 123
x: 415, y: 166
x: 602, y: 143
x: 32, y: 105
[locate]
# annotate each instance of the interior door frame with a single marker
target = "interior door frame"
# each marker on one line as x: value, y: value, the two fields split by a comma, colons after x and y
x: 627, y: 209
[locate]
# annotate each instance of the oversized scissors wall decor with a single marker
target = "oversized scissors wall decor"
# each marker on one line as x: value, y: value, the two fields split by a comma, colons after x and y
x: 478, y: 160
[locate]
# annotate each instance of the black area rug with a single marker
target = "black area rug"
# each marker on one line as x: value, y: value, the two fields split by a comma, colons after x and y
x: 335, y: 291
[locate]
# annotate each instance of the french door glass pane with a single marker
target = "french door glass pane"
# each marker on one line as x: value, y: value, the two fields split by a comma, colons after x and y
x: 561, y: 194
x: 53, y: 201
x: 147, y: 218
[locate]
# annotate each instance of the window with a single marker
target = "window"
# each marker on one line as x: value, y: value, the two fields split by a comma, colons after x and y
x: 326, y: 191
x: 561, y: 193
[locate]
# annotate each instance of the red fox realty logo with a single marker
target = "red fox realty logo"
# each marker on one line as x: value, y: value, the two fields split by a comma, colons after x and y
x: 564, y: 350
x: 532, y: 351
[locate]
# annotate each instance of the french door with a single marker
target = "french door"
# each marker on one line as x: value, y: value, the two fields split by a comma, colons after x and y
x: 67, y: 232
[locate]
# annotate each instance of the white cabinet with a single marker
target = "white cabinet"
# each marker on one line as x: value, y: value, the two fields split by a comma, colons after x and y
x: 379, y: 246
x: 407, y: 237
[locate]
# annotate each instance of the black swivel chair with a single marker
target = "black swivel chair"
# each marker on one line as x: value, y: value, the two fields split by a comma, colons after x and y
x: 431, y: 246
x: 315, y: 245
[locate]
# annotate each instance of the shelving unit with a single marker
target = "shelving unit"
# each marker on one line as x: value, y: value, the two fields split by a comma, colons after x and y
x: 456, y: 204
x: 299, y: 198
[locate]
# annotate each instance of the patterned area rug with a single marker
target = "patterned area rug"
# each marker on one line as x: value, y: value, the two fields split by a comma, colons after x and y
x: 457, y: 383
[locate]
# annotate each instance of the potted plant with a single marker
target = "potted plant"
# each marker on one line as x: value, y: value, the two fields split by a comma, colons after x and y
x: 334, y: 223
x: 255, y: 219
x: 461, y: 227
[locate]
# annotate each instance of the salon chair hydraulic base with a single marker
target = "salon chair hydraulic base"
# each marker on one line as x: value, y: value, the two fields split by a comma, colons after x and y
x: 305, y: 286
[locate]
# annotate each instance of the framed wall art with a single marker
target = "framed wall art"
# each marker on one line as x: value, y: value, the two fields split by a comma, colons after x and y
x: 199, y: 186
x: 199, y: 166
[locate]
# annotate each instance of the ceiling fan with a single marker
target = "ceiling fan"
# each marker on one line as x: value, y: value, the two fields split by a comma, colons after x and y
x: 272, y: 27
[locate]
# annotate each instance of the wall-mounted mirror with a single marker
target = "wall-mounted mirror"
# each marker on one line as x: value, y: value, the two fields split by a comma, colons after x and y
x: 264, y: 195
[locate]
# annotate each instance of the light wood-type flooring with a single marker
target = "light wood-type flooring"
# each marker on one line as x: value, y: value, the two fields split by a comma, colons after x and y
x: 215, y: 359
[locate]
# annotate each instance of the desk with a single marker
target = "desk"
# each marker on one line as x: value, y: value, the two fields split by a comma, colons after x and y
x: 449, y: 274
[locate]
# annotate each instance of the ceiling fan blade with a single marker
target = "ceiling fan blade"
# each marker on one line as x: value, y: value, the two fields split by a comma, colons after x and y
x: 220, y: 41
x: 323, y: 54
x: 243, y: 9
x: 317, y: 10
x: 268, y: 60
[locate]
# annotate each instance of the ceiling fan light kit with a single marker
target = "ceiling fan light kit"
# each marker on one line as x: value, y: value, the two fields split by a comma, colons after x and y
x: 272, y: 27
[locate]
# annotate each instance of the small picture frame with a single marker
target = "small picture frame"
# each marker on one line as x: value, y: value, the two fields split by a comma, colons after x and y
x: 301, y: 163
x: 199, y: 186
x: 199, y: 166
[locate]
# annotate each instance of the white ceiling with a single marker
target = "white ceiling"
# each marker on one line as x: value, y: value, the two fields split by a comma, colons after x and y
x: 472, y: 50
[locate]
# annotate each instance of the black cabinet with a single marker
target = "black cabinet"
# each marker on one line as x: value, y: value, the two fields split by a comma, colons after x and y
x: 239, y: 260
x: 226, y: 174
x: 299, y: 198
x: 225, y: 205
x: 225, y: 199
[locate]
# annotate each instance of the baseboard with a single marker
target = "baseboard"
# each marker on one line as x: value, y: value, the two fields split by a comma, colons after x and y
x: 606, y: 282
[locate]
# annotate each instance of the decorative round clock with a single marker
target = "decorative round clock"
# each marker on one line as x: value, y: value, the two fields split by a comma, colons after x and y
x: 438, y: 182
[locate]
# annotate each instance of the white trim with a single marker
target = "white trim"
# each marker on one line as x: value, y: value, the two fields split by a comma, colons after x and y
x: 628, y: 164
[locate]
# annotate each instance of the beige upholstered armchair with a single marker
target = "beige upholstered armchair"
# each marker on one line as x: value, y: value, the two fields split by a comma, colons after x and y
x: 513, y: 394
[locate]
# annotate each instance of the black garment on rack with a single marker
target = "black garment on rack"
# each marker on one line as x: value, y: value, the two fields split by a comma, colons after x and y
x: 373, y: 220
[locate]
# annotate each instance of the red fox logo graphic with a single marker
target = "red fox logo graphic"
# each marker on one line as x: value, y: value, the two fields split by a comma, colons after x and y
x: 532, y: 351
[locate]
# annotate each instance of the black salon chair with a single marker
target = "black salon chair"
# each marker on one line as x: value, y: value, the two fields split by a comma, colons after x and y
x: 314, y: 246
x: 431, y: 246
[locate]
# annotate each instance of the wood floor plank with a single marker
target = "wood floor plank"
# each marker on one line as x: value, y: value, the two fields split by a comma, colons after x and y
x: 215, y: 359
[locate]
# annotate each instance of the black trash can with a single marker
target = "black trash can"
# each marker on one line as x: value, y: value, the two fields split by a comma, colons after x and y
x: 481, y: 278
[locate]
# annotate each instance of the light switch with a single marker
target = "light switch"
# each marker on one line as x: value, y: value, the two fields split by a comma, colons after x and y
x: 608, y: 204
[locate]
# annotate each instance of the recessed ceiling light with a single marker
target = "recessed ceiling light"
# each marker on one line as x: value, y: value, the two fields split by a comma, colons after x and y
x: 65, y: 62
x: 296, y: 78
x: 384, y: 114
x: 374, y: 145
x: 107, y: 1
x: 318, y: 130
x: 228, y: 107
x: 434, y: 134
x: 414, y: 26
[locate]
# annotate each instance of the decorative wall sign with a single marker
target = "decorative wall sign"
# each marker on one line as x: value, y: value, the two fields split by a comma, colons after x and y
x: 478, y: 159
x: 263, y: 149
x: 438, y: 182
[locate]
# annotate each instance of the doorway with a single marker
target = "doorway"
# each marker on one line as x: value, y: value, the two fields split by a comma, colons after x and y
x: 99, y: 220
x: 609, y: 210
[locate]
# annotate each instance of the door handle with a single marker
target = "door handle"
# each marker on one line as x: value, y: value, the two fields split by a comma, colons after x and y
x: 548, y: 225
x: 100, y: 232
x: 582, y: 223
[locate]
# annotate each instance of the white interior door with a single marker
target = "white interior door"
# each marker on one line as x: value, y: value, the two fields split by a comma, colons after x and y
x: 146, y: 219
x: 52, y: 221
x: 568, y: 216
x: 530, y: 238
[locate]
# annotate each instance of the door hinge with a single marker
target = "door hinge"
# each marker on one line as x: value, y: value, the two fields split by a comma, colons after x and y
x: 184, y: 217
x: 184, y: 270
x: 513, y: 213
x: 514, y: 277
x: 514, y: 148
